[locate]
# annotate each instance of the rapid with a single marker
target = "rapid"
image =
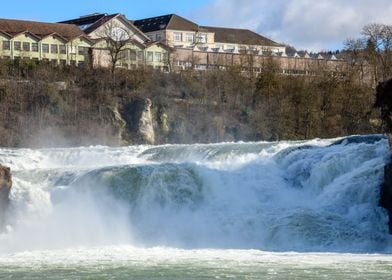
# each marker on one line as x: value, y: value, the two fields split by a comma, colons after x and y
x: 270, y: 210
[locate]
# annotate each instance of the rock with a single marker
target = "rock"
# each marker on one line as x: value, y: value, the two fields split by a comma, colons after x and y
x: 5, y: 188
x: 384, y: 101
x: 386, y: 193
x: 139, y: 122
x: 121, y: 124
x: 59, y: 85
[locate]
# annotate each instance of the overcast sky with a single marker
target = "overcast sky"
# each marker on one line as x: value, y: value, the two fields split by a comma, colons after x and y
x: 307, y: 24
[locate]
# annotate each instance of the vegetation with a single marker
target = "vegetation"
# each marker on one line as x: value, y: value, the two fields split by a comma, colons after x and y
x: 373, y: 51
x: 44, y: 105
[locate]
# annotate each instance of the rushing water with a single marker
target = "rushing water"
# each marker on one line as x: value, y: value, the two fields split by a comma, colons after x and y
x: 283, y: 210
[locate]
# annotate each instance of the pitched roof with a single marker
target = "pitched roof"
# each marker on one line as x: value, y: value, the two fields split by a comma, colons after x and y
x: 162, y: 45
x: 85, y: 21
x: 40, y: 29
x: 99, y: 23
x: 222, y: 35
x: 92, y: 22
x: 239, y: 36
x: 171, y: 21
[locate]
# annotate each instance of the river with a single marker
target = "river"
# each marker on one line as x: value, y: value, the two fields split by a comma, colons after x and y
x: 262, y: 210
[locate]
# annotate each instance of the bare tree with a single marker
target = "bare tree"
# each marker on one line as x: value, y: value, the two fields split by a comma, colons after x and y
x: 355, y: 54
x: 378, y: 39
x: 116, y: 38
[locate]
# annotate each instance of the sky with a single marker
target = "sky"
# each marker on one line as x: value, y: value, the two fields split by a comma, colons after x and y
x: 305, y: 24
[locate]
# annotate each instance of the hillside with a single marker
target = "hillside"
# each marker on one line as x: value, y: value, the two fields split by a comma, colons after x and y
x: 42, y: 106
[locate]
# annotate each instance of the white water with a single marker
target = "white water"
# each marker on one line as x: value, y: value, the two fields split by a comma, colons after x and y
x: 82, y: 204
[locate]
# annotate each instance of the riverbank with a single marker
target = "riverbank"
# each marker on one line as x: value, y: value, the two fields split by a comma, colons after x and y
x: 44, y: 106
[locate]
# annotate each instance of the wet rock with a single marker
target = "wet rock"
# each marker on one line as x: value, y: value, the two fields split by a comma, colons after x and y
x: 386, y: 193
x: 384, y: 102
x: 5, y: 188
x: 139, y: 122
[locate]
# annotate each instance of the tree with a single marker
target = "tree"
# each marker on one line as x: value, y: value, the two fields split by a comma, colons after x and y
x: 378, y: 39
x: 116, y: 38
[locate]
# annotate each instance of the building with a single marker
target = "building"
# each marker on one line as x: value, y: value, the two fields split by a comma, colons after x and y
x: 115, y: 35
x: 54, y: 42
x: 168, y: 42
x: 91, y: 39
x: 179, y: 32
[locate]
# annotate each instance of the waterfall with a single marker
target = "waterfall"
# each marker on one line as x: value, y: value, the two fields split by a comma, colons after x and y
x: 306, y: 196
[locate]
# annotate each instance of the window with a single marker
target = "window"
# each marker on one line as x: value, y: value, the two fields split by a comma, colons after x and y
x: 177, y: 36
x: 6, y: 45
x: 140, y: 55
x: 159, y: 36
x: 150, y: 56
x: 218, y: 46
x: 82, y: 50
x: 132, y: 55
x: 123, y: 54
x: 72, y: 49
x: 230, y: 47
x: 189, y: 37
x: 17, y: 45
x: 45, y: 48
x: 158, y: 56
x: 54, y: 49
x: 203, y: 38
x: 26, y: 46
x: 63, y: 49
x: 242, y: 48
x: 34, y: 47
